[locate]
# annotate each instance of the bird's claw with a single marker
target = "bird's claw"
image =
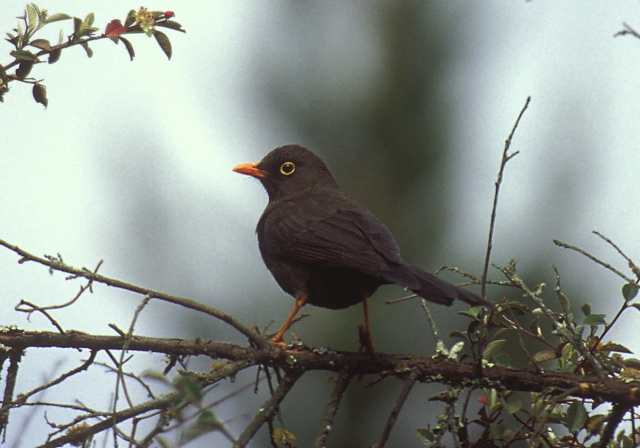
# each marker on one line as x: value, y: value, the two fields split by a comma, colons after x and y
x: 366, y: 342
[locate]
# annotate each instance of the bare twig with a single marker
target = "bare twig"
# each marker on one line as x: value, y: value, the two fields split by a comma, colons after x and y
x: 15, y: 355
x: 505, y: 158
x: 160, y: 403
x: 597, y: 260
x: 342, y: 382
x: 58, y: 265
x: 627, y: 30
x: 408, y: 385
x: 269, y: 408
x: 634, y: 267
x: 24, y: 397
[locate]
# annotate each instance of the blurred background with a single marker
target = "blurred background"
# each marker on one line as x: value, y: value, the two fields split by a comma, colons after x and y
x: 409, y: 103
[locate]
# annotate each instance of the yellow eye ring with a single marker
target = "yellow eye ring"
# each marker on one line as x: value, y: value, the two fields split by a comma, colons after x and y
x: 287, y: 168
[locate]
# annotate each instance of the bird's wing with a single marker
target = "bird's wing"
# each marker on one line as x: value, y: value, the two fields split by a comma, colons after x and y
x: 342, y: 235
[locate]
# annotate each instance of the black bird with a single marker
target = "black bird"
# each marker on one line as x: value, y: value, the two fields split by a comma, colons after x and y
x: 326, y: 249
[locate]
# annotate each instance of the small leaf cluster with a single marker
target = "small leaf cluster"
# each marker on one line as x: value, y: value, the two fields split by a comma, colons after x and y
x: 575, y: 344
x: 29, y: 51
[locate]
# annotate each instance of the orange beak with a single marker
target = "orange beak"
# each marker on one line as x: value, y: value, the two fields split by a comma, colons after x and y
x: 251, y: 169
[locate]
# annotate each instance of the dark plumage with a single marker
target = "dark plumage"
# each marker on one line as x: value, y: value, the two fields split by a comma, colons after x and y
x: 326, y: 249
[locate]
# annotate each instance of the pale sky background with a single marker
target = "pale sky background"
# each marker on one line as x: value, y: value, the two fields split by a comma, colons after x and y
x: 130, y: 151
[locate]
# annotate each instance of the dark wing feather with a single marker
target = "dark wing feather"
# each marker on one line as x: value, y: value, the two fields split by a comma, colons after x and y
x: 331, y: 233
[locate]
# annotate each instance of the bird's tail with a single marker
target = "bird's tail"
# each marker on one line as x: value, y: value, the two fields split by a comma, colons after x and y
x: 437, y: 290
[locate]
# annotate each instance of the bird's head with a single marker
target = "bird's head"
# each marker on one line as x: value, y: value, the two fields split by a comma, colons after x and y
x: 288, y: 171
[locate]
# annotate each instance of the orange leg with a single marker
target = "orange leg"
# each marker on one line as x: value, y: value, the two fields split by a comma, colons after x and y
x: 366, y: 338
x: 300, y: 302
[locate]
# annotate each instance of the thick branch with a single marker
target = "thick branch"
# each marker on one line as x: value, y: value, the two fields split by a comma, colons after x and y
x: 428, y: 369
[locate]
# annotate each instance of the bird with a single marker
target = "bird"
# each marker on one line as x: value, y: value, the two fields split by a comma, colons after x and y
x: 327, y: 250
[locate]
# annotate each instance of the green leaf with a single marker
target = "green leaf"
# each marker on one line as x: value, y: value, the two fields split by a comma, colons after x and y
x: 594, y: 319
x: 626, y: 441
x: 32, y: 16
x: 12, y: 39
x: 129, y: 47
x: 207, y: 417
x: 564, y: 302
x: 206, y: 422
x: 43, y: 44
x: 85, y: 31
x: 40, y: 94
x: 57, y: 17
x: 632, y: 362
x: 24, y: 69
x: 164, y: 443
x: 164, y: 42
x: 636, y: 306
x: 426, y: 436
x: 190, y: 387
x: 503, y: 333
x: 88, y: 21
x: 171, y: 24
x: 87, y: 49
x: 24, y: 55
x: 77, y: 23
x: 131, y: 18
x: 459, y: 334
x: 512, y: 407
x: 629, y: 291
x: 534, y: 326
x: 55, y: 55
x: 586, y: 309
x: 544, y: 355
x: 502, y: 359
x: 492, y: 348
x: 576, y: 416
x: 614, y: 347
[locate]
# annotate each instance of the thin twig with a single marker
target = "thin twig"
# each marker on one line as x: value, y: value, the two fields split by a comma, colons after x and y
x: 440, y: 346
x: 342, y: 382
x: 119, y: 365
x: 566, y: 329
x: 544, y: 417
x: 24, y: 397
x: 269, y: 408
x: 593, y: 258
x: 162, y: 402
x: 634, y: 267
x: 15, y: 355
x: 627, y: 30
x: 58, y: 265
x: 408, y: 385
x: 32, y: 307
x: 505, y: 158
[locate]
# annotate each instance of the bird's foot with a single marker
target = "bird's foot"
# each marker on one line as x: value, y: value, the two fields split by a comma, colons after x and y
x: 296, y: 344
x: 366, y: 341
x: 278, y: 341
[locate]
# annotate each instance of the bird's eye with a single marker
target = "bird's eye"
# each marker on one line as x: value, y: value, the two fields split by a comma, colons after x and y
x: 287, y: 168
